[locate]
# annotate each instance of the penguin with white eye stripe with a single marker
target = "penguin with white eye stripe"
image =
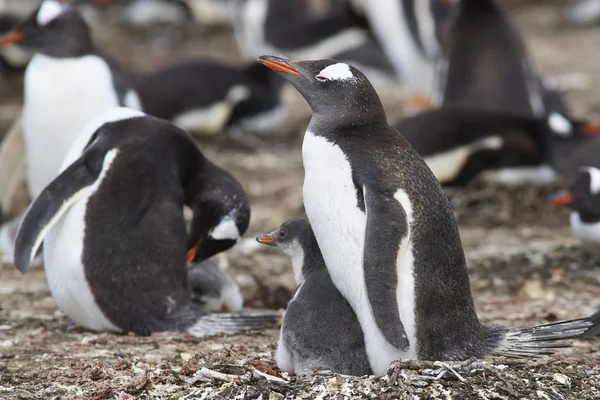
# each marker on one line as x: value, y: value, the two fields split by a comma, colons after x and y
x: 386, y: 229
x: 115, y: 239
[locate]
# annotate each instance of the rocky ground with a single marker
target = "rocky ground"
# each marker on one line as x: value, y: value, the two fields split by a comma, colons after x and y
x: 526, y: 268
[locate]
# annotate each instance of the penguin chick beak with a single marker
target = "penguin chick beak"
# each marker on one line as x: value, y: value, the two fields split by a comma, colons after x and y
x: 12, y: 37
x: 278, y: 64
x: 268, y: 238
x: 561, y: 199
x: 593, y: 128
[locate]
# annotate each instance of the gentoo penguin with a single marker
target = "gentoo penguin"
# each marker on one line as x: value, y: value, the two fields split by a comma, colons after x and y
x: 386, y: 229
x: 208, y: 96
x: 409, y: 32
x: 67, y: 83
x: 114, y: 234
x: 12, y: 58
x: 583, y: 198
x: 487, y: 61
x: 308, y: 28
x: 213, y: 288
x: 462, y: 143
x: 319, y: 330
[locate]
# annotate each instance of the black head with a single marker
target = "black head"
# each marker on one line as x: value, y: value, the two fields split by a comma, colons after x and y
x: 583, y: 194
x: 335, y: 91
x: 296, y: 239
x: 55, y: 29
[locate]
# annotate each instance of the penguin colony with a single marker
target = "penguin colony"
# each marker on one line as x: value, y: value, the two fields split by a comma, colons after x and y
x: 379, y: 264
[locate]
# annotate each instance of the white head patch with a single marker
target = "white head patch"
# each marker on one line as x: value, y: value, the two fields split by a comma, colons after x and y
x: 49, y: 11
x: 336, y: 72
x: 226, y: 229
x: 594, y: 180
x: 560, y: 124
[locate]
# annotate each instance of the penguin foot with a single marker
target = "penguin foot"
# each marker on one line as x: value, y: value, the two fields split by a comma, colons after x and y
x: 446, y: 369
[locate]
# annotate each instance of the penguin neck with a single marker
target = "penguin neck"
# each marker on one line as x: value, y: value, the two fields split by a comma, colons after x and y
x: 346, y: 122
x: 313, y: 259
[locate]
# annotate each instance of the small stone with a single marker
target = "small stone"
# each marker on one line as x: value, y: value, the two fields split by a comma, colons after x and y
x: 275, y: 396
x: 562, y: 379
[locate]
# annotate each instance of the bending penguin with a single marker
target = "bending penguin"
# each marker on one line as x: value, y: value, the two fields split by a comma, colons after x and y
x: 386, y: 229
x: 115, y: 241
x: 319, y: 330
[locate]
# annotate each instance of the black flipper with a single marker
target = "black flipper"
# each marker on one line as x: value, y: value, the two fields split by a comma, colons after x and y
x: 387, y: 226
x: 594, y: 330
x: 70, y: 186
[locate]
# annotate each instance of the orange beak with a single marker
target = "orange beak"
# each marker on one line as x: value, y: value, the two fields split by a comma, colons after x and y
x: 268, y: 239
x: 561, y: 199
x: 278, y: 64
x: 593, y: 128
x: 13, y: 37
x: 191, y: 254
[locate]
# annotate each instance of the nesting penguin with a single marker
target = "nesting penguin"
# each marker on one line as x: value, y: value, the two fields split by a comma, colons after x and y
x: 207, y: 97
x: 386, y: 229
x: 115, y: 240
x: 306, y: 28
x: 319, y: 330
x: 462, y: 143
x: 487, y: 61
x: 68, y: 82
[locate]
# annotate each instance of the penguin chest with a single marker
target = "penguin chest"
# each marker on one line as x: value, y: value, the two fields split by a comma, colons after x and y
x: 61, y: 97
x: 330, y: 200
x: 63, y: 255
x: 587, y: 233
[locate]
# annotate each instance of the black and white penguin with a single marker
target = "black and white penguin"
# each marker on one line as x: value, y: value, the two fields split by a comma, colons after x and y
x: 12, y: 57
x: 213, y: 288
x: 208, y: 97
x: 487, y: 61
x: 67, y: 83
x: 319, y: 330
x: 114, y: 234
x: 386, y: 229
x: 583, y: 198
x: 306, y: 28
x: 409, y: 32
x: 462, y: 143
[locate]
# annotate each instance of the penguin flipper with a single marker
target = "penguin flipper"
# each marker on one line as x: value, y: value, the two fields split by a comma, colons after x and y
x: 51, y: 204
x: 387, y: 227
x: 594, y: 330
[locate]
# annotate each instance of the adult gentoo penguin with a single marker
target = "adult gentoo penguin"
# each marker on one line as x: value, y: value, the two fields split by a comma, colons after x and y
x: 487, y: 61
x: 583, y: 198
x: 67, y: 83
x: 207, y: 97
x: 319, y: 330
x: 114, y: 234
x: 409, y: 32
x: 386, y: 229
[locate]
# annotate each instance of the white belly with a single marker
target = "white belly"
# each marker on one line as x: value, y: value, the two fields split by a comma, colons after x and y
x: 63, y: 252
x: 61, y: 97
x: 587, y: 233
x: 339, y: 226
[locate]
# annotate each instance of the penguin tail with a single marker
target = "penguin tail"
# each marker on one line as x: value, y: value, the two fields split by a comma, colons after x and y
x: 215, y: 324
x: 541, y: 339
x: 594, y: 330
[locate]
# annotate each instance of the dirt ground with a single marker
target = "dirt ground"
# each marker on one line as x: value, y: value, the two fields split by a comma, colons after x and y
x: 526, y: 268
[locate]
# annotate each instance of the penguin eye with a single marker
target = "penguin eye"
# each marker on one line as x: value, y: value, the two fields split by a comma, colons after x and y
x: 281, y: 234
